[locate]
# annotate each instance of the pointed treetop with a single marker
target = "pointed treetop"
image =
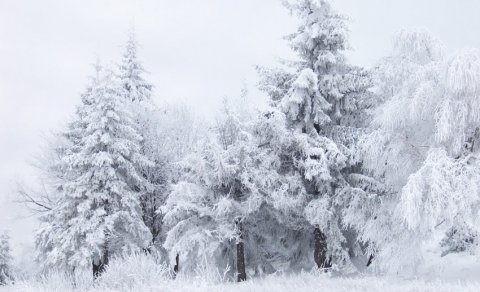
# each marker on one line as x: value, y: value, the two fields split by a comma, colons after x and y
x: 322, y: 32
x: 131, y: 72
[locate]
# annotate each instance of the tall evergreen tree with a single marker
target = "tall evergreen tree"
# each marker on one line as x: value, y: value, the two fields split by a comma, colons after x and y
x: 98, y: 214
x: 324, y: 100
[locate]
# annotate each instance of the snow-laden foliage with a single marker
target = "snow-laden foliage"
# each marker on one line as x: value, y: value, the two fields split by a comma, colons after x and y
x: 324, y: 100
x: 130, y: 272
x: 172, y: 133
x: 131, y: 72
x: 325, y: 86
x: 6, y: 260
x: 460, y: 238
x: 99, y: 212
x: 216, y: 194
x: 344, y: 169
x: 423, y: 146
x: 137, y: 92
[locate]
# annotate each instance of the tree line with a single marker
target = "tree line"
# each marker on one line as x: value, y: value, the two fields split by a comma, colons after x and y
x: 347, y: 168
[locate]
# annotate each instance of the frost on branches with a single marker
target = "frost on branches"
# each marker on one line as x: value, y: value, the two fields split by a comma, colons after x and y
x: 424, y: 146
x: 345, y: 169
x: 98, y: 214
x: 131, y: 72
x: 210, y: 210
x: 324, y: 100
x: 6, y: 269
x: 137, y: 92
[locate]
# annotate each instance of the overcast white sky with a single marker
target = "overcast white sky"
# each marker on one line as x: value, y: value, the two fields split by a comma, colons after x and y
x: 197, y: 51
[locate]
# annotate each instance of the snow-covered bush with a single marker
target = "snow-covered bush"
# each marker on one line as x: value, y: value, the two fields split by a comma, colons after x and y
x: 460, y: 238
x: 134, y: 272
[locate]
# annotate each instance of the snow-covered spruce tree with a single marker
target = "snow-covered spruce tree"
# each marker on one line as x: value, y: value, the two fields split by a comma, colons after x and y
x: 424, y: 146
x: 6, y: 269
x: 138, y: 94
x: 324, y: 100
x: 98, y: 214
x: 56, y: 174
x: 284, y: 158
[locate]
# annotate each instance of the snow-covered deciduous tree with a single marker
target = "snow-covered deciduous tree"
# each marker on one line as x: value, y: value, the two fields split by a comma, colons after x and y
x: 424, y: 147
x: 324, y: 100
x: 172, y: 133
x: 6, y: 268
x: 98, y: 214
x: 207, y: 210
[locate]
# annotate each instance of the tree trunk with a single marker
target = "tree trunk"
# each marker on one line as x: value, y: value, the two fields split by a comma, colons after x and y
x: 241, y: 274
x: 176, y: 266
x: 370, y: 259
x: 320, y: 249
x: 99, y: 268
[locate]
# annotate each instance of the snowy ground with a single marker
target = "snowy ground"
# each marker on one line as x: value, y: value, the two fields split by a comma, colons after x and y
x: 452, y: 273
x: 297, y: 283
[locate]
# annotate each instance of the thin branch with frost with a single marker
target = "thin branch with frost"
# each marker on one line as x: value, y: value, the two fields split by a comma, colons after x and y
x: 34, y: 201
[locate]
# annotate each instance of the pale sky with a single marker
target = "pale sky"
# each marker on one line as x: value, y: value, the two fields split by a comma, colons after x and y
x: 197, y: 51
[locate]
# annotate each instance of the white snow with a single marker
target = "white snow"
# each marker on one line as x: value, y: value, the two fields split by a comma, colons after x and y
x: 304, y: 283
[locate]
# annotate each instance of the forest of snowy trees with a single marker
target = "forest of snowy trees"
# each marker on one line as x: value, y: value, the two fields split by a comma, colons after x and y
x: 347, y: 169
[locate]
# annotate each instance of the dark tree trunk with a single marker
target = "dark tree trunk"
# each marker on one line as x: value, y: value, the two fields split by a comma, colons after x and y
x: 320, y: 249
x: 74, y: 279
x: 370, y: 260
x: 241, y: 274
x: 176, y: 266
x: 99, y: 268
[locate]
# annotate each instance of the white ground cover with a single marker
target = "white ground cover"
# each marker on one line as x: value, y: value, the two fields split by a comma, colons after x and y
x: 452, y: 273
x: 305, y: 282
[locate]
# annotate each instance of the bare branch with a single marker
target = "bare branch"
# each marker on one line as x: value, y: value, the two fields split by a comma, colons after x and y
x: 37, y: 203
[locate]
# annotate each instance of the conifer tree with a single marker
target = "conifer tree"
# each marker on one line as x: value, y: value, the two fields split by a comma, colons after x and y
x: 98, y: 214
x: 324, y: 100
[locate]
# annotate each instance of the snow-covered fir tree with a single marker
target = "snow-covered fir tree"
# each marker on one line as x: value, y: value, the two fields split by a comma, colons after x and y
x: 98, y: 214
x: 324, y: 100
x: 423, y: 145
x: 6, y: 268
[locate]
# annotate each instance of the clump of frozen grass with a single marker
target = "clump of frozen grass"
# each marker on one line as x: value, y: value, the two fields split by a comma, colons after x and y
x: 130, y: 273
x: 54, y: 281
x: 212, y: 275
